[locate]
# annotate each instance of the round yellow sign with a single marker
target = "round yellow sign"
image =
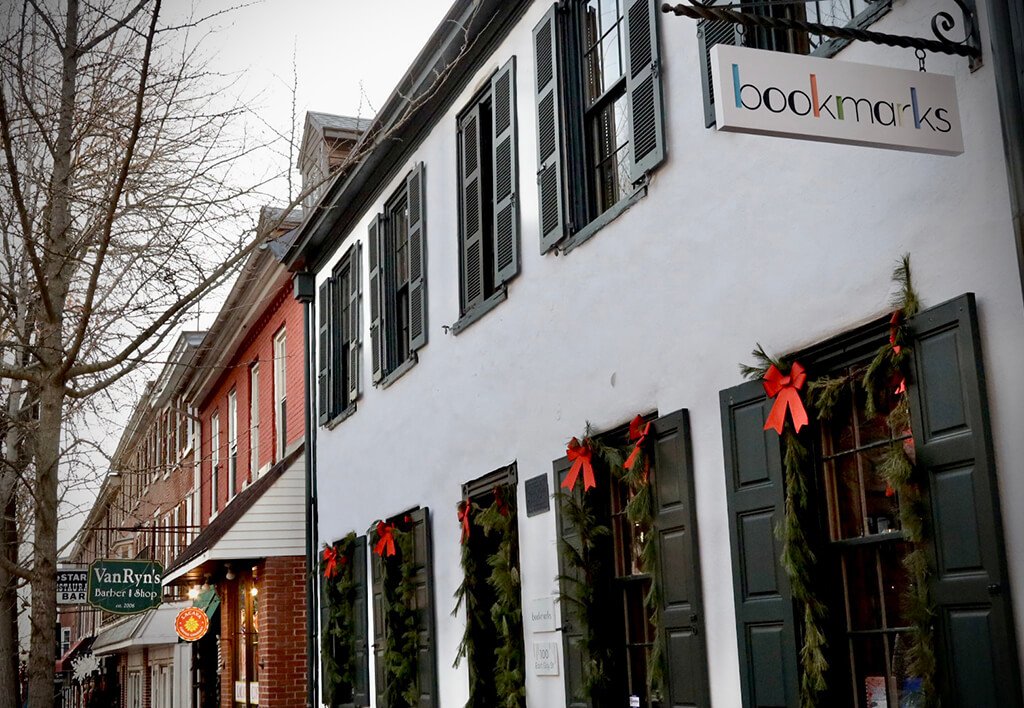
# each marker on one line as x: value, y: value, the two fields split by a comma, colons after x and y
x: 191, y: 624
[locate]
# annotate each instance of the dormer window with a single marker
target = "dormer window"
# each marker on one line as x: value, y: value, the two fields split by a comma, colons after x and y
x: 327, y: 143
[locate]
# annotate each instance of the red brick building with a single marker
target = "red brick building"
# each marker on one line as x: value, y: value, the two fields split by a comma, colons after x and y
x: 248, y: 393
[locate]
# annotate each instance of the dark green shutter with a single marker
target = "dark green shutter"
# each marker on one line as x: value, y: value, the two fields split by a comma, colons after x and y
x: 978, y: 665
x: 323, y: 353
x: 506, y: 173
x: 572, y: 634
x: 755, y: 496
x: 416, y: 186
x: 550, y: 176
x: 427, y: 659
x: 379, y: 630
x: 337, y: 384
x: 354, y: 334
x: 643, y: 85
x: 375, y: 237
x: 675, y: 523
x: 710, y: 33
x: 361, y: 687
x: 471, y: 200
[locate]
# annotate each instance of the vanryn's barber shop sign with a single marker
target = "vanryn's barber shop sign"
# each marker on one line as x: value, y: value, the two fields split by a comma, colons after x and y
x: 125, y: 587
x: 809, y: 98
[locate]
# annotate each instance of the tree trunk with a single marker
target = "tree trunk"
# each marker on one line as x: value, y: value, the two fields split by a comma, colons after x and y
x: 42, y: 654
x: 9, y: 684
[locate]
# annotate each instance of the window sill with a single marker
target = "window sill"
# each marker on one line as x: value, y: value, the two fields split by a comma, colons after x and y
x: 399, y: 371
x: 610, y: 215
x: 341, y: 417
x: 478, y: 311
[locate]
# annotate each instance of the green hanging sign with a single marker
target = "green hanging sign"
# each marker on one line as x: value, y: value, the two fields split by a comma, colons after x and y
x: 125, y: 587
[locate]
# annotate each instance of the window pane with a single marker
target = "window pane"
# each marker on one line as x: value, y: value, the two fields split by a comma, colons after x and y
x: 610, y: 131
x: 602, y: 47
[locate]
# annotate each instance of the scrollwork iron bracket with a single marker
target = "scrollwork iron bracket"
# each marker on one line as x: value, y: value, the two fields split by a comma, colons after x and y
x: 950, y: 36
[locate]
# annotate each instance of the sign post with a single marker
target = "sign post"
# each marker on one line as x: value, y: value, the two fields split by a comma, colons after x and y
x: 125, y: 587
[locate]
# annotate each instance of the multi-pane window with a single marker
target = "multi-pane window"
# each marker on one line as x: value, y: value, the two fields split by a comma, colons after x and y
x: 488, y: 180
x: 254, y: 420
x: 232, y: 444
x: 864, y: 557
x: 280, y: 394
x: 398, y: 282
x: 599, y: 118
x: 214, y: 458
x: 338, y: 315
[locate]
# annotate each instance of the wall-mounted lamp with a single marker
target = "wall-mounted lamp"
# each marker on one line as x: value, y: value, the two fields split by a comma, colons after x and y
x: 230, y: 574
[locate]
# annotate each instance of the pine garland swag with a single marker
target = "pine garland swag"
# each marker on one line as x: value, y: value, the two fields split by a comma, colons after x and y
x: 505, y: 614
x: 583, y: 560
x: 338, y: 640
x: 401, y: 618
x: 884, y: 377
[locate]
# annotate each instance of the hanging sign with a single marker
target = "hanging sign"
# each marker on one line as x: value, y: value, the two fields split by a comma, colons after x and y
x: 810, y: 98
x: 71, y: 585
x: 125, y: 587
x: 191, y: 624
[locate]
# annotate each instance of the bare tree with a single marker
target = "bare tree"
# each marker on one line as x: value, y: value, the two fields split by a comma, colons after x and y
x: 120, y: 209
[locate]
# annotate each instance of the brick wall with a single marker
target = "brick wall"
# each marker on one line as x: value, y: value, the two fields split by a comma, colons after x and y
x: 228, y: 627
x: 283, y: 632
x: 283, y: 311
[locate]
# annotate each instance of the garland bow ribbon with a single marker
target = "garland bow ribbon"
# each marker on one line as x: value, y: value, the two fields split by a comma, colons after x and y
x: 331, y: 559
x: 580, y: 455
x: 638, y: 432
x: 385, y: 539
x: 894, y: 326
x: 785, y: 389
x: 499, y: 502
x: 464, y: 520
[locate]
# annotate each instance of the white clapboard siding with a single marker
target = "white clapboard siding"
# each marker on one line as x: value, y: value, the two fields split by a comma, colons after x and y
x: 274, y: 524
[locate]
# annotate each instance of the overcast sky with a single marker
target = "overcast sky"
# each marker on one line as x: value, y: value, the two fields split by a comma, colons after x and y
x: 348, y: 56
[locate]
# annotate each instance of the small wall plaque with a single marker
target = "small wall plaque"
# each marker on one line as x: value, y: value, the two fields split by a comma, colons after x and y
x: 538, y: 499
x: 545, y: 658
x: 542, y: 615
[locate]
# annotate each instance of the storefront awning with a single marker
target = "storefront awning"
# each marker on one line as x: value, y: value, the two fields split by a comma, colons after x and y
x: 79, y: 648
x: 208, y: 601
x: 264, y: 520
x: 153, y: 627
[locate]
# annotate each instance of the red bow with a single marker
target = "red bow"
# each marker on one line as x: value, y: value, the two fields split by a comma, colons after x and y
x: 639, y: 435
x: 785, y: 390
x: 385, y: 539
x: 331, y: 558
x: 580, y: 455
x: 499, y: 501
x: 464, y: 519
x: 894, y: 325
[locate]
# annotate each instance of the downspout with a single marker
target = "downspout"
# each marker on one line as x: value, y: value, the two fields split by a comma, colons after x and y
x: 305, y: 288
x: 1006, y: 31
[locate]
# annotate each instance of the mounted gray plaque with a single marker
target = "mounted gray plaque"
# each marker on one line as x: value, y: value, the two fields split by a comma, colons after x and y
x: 538, y: 499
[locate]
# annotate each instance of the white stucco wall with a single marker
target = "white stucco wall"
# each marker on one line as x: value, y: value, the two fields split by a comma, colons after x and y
x: 742, y: 239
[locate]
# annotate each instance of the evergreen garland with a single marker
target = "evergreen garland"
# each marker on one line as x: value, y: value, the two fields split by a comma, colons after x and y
x: 507, y: 612
x: 585, y: 561
x: 798, y: 559
x: 401, y: 620
x: 338, y: 640
x: 883, y: 377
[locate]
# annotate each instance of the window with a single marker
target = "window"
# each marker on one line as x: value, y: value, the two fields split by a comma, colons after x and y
x: 254, y: 420
x: 232, y: 444
x: 280, y: 395
x: 247, y: 641
x: 338, y: 312
x: 856, y: 14
x: 385, y: 594
x: 493, y: 625
x: 859, y: 539
x: 611, y: 566
x: 65, y: 640
x: 398, y: 279
x: 214, y: 458
x: 599, y: 119
x: 488, y: 181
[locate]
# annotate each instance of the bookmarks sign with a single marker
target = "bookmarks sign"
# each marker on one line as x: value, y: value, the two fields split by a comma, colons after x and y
x: 810, y: 98
x: 125, y: 587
